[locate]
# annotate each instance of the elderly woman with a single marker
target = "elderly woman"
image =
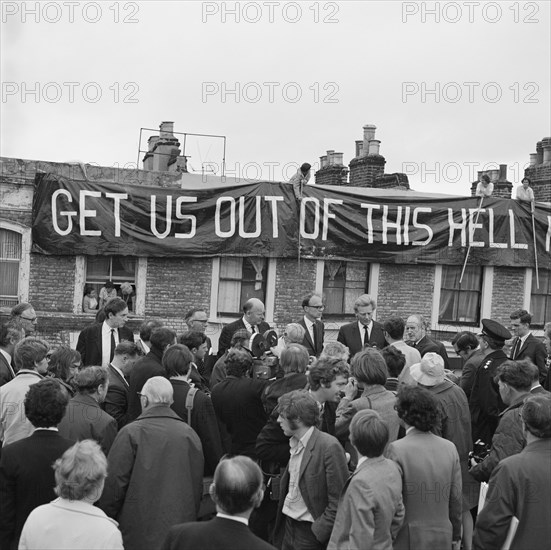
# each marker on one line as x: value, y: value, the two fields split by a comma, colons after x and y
x: 72, y: 521
x: 369, y: 370
x: 431, y: 476
x: 293, y: 361
x: 292, y: 334
x: 63, y: 364
x: 335, y: 350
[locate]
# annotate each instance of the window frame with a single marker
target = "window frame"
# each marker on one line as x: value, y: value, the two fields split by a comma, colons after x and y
x: 531, y: 291
x: 23, y: 279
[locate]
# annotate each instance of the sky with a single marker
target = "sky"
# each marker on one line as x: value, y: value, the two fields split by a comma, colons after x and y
x: 453, y: 87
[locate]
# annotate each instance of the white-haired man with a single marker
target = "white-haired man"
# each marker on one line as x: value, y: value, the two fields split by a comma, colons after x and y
x: 155, y: 471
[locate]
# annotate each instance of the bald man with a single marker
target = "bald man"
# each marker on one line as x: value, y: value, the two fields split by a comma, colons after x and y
x: 155, y: 459
x: 252, y: 320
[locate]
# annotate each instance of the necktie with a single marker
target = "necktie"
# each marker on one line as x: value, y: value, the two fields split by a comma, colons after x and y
x: 315, y: 338
x: 113, y: 345
x: 366, y: 336
x: 516, y: 349
x: 253, y: 329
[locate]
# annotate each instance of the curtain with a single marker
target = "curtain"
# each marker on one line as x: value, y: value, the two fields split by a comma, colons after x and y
x: 258, y: 264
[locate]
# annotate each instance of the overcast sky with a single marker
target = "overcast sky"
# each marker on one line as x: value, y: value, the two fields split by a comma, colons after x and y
x: 305, y: 78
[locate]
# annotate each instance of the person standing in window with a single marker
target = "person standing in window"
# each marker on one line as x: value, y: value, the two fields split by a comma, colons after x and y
x: 90, y: 300
x: 106, y: 293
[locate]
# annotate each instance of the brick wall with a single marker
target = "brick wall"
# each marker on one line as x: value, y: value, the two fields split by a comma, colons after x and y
x: 508, y: 293
x: 334, y: 174
x: 290, y: 287
x: 363, y: 170
x: 24, y: 218
x: 175, y: 286
x: 405, y: 290
x: 540, y: 177
x: 52, y: 280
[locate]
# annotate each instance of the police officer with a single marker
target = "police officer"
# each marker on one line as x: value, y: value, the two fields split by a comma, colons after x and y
x: 485, y: 402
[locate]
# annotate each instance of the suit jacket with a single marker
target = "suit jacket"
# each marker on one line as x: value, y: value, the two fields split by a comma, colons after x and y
x: 427, y: 344
x: 323, y: 473
x: 27, y: 480
x: 144, y: 368
x: 116, y: 400
x: 319, y: 331
x: 216, y: 534
x: 84, y: 419
x: 433, y: 515
x: 370, y: 510
x: 89, y: 343
x: 272, y: 445
x: 6, y: 371
x: 534, y: 350
x: 238, y: 406
x: 520, y: 486
x: 155, y: 478
x: 349, y: 335
x: 229, y: 330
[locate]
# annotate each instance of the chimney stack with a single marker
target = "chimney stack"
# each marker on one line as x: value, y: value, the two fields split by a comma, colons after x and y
x: 369, y: 134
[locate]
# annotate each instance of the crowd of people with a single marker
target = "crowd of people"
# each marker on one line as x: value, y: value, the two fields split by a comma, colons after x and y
x: 367, y: 442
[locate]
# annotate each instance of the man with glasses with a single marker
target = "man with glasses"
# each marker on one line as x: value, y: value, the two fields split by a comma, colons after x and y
x: 25, y: 314
x: 364, y: 331
x: 313, y: 307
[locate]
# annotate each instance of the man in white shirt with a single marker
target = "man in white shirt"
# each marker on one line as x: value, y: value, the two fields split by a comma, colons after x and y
x: 237, y: 489
x: 313, y: 307
x: 394, y: 334
x: 313, y: 479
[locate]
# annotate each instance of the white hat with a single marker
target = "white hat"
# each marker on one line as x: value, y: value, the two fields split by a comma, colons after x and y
x: 430, y: 371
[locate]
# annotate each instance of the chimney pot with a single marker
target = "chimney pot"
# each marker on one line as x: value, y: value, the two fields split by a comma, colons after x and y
x: 546, y: 144
x: 369, y: 134
x: 330, y: 157
x: 374, y: 145
x: 359, y: 146
x: 167, y: 129
x: 539, y: 152
x: 323, y: 161
x: 502, y: 172
x: 533, y: 159
x: 337, y: 158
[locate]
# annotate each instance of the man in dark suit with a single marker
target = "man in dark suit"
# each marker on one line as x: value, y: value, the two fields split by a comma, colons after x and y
x: 252, y: 320
x: 520, y: 486
x: 84, y: 418
x: 364, y: 331
x: 416, y: 336
x: 10, y: 333
x: 314, y: 478
x: 313, y: 307
x: 96, y: 343
x: 236, y: 490
x: 238, y: 404
x: 147, y: 367
x: 116, y: 399
x: 26, y: 474
x: 525, y: 344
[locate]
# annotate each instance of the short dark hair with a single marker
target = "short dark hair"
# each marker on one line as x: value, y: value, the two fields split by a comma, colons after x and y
x: 126, y: 347
x: 114, y: 306
x: 192, y: 339
x: 368, y: 433
x: 61, y: 362
x: 238, y: 362
x: 294, y: 358
x: 325, y: 370
x: 299, y: 404
x: 162, y: 337
x: 527, y: 179
x: 536, y: 414
x: 45, y: 403
x: 306, y: 299
x: 516, y: 374
x: 236, y: 482
x: 486, y: 178
x: 395, y: 360
x: 148, y: 327
x: 369, y: 367
x: 523, y: 315
x: 177, y: 360
x: 29, y: 351
x: 240, y: 337
x: 11, y: 331
x: 89, y: 379
x: 417, y: 407
x: 465, y: 340
x: 395, y: 327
